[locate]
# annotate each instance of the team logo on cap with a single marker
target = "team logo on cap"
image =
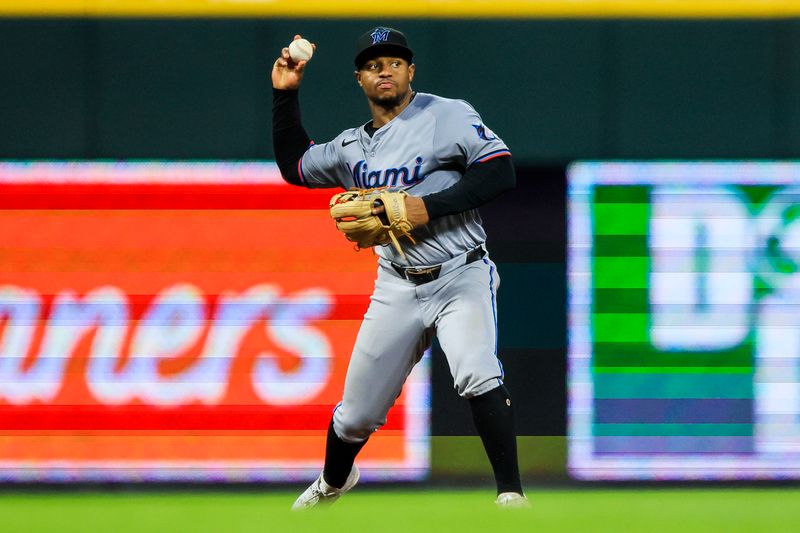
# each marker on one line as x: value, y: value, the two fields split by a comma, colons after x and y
x: 380, y: 35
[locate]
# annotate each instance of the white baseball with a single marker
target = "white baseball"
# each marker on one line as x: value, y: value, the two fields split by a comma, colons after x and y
x: 300, y: 50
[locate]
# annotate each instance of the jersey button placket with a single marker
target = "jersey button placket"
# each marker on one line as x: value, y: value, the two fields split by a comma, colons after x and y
x: 373, y: 147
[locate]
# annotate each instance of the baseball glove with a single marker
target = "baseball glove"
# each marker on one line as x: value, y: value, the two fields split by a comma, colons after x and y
x: 352, y: 211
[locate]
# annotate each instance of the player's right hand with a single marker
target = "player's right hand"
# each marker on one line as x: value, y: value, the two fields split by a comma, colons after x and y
x: 286, y: 74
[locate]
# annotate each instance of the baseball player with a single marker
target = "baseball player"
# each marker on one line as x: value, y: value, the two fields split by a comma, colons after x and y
x: 438, y: 151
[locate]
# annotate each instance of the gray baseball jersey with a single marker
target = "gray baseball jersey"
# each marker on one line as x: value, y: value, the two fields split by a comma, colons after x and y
x: 425, y: 149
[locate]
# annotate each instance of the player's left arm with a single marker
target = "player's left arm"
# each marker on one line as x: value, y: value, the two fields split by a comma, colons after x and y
x: 489, y: 172
x: 481, y: 183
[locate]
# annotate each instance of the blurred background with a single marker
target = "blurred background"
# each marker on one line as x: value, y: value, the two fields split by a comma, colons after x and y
x: 140, y: 205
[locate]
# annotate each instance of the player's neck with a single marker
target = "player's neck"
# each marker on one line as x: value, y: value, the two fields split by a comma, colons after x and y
x: 383, y: 115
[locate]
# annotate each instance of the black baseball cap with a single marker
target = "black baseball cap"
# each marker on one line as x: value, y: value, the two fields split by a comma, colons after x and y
x: 382, y: 41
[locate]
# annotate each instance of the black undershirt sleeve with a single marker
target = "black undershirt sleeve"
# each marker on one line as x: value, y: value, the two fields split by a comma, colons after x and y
x: 480, y: 183
x: 289, y: 138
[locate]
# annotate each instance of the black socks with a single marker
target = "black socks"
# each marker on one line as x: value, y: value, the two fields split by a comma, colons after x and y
x: 494, y: 419
x: 339, y: 458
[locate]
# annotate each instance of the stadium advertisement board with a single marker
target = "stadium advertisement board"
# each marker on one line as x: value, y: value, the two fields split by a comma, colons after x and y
x: 684, y: 320
x: 180, y: 321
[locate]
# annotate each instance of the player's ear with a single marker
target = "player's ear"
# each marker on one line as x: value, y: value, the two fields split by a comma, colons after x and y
x: 357, y: 75
x: 411, y: 69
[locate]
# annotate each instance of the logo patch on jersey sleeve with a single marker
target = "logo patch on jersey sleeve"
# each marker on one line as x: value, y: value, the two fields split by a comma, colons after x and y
x: 484, y: 133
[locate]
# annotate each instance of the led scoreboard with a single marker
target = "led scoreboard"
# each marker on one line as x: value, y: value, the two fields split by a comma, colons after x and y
x: 684, y: 320
x: 180, y: 321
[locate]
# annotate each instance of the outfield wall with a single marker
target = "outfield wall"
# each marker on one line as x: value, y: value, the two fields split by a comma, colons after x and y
x: 555, y: 89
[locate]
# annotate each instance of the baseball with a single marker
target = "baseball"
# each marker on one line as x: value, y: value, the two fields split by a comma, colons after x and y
x: 300, y: 50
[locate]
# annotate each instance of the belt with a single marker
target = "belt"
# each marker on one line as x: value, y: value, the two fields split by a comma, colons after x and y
x: 420, y: 275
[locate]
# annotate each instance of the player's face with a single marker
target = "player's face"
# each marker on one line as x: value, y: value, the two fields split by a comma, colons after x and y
x: 386, y: 81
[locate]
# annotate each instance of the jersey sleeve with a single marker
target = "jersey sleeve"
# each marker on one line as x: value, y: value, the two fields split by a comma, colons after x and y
x: 321, y: 167
x: 463, y: 138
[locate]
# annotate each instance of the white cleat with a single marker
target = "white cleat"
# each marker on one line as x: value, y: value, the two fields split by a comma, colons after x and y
x: 512, y: 500
x: 322, y: 494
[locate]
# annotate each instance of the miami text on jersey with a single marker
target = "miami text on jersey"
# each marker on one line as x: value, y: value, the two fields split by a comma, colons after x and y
x: 365, y: 178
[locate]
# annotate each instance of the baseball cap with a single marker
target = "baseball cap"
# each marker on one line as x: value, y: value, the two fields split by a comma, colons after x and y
x: 380, y: 41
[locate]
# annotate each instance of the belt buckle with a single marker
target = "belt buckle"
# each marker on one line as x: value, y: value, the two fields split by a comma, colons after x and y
x: 420, y: 275
x: 414, y: 271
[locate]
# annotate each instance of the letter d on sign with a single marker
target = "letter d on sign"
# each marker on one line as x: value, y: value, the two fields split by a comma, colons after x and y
x: 701, y: 287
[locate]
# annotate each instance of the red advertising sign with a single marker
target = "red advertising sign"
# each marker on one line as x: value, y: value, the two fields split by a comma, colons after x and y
x: 170, y: 321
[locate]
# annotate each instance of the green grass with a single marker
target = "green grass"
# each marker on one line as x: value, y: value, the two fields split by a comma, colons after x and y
x: 771, y: 510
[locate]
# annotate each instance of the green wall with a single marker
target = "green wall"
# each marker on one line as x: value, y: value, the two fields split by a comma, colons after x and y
x: 555, y: 90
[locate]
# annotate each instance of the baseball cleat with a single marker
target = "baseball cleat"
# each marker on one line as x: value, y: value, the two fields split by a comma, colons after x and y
x: 512, y: 500
x: 320, y: 493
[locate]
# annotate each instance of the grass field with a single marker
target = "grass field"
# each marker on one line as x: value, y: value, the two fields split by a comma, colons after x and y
x: 771, y: 510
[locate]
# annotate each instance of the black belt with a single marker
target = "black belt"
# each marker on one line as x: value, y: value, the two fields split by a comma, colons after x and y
x: 420, y: 275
